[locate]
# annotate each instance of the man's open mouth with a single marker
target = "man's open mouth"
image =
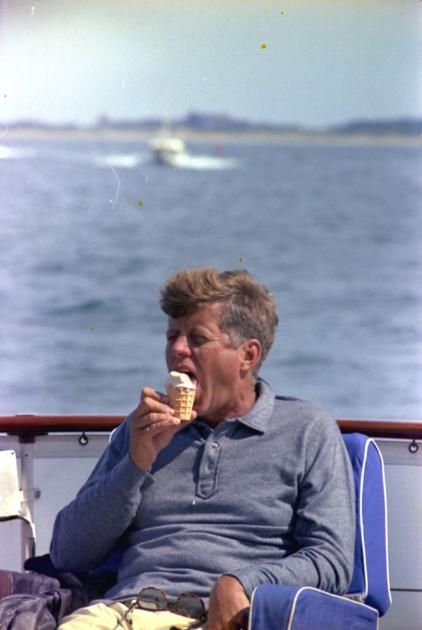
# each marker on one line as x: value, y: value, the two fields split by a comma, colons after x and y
x: 192, y: 377
x: 191, y: 374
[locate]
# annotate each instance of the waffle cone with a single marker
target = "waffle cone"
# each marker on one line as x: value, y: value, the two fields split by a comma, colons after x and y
x: 181, y: 399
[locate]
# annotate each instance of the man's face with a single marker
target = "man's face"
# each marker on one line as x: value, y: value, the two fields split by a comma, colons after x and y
x: 196, y: 345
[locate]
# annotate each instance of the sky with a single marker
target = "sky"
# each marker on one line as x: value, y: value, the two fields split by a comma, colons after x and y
x: 308, y: 62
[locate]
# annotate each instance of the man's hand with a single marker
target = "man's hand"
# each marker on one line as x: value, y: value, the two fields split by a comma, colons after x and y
x: 228, y: 606
x: 152, y: 426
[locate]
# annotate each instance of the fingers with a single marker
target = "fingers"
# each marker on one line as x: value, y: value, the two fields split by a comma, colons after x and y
x: 152, y: 408
x: 155, y: 426
x: 228, y: 605
x: 150, y: 394
x: 240, y: 620
x: 152, y: 426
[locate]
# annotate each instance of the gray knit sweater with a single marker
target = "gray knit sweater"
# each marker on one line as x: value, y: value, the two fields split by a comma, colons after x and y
x: 266, y: 498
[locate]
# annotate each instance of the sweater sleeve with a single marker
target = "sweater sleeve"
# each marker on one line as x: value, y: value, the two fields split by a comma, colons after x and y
x: 89, y: 527
x: 324, y: 524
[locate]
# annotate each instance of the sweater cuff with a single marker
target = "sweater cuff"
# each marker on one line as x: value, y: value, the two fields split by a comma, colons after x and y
x: 131, y: 475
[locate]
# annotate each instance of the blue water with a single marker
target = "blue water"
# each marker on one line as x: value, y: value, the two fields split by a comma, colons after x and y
x: 89, y: 231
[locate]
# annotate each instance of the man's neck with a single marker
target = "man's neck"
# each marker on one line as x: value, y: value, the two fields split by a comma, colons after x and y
x: 241, y: 408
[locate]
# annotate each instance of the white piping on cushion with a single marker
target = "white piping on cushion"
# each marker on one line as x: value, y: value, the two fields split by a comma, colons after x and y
x: 384, y: 488
x: 250, y: 609
x: 362, y: 531
x: 293, y: 608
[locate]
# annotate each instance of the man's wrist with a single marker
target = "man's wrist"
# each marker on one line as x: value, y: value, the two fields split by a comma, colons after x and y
x: 234, y: 581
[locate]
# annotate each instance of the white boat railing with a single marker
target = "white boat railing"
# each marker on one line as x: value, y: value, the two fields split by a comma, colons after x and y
x: 28, y: 426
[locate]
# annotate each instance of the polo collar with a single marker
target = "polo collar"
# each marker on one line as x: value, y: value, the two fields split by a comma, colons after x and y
x: 259, y: 416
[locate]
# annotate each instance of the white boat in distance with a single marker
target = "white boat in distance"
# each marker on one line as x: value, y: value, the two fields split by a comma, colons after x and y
x: 168, y: 151
x: 172, y: 151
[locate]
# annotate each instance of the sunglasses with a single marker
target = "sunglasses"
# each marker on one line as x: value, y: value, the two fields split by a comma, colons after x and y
x: 187, y: 604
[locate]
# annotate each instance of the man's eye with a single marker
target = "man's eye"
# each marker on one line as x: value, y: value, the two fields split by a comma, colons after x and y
x: 198, y: 340
x: 171, y: 336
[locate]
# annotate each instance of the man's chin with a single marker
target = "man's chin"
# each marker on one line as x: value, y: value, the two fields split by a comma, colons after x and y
x: 199, y: 410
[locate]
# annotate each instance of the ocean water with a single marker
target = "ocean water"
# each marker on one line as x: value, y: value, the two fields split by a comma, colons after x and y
x: 89, y: 232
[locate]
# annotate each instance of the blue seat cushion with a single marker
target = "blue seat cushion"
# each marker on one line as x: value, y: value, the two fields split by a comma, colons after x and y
x: 370, y: 576
x: 303, y: 608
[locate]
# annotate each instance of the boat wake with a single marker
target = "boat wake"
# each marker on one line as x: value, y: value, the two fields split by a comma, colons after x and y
x: 9, y: 153
x: 181, y: 158
x: 121, y: 160
x: 203, y: 162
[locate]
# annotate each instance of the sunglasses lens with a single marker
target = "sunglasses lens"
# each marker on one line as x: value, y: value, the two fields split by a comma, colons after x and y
x: 190, y: 606
x: 152, y: 599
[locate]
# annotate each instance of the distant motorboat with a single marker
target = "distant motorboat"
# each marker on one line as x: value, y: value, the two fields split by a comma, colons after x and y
x: 172, y: 151
x: 169, y: 151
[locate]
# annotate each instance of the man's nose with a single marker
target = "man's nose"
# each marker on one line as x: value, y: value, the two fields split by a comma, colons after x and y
x: 181, y: 346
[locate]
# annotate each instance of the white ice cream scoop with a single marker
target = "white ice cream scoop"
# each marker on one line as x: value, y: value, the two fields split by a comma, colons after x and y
x: 181, y: 392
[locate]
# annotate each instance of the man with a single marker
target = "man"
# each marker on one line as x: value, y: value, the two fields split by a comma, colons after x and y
x: 256, y: 488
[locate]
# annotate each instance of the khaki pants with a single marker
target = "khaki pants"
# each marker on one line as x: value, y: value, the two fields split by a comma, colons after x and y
x: 115, y: 616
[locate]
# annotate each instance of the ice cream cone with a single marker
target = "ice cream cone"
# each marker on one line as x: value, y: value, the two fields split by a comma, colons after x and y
x: 181, y: 399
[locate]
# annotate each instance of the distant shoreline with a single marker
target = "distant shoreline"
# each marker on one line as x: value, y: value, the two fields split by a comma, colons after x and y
x: 215, y: 137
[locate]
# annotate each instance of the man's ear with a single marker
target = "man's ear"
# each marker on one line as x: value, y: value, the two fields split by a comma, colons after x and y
x: 251, y: 354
